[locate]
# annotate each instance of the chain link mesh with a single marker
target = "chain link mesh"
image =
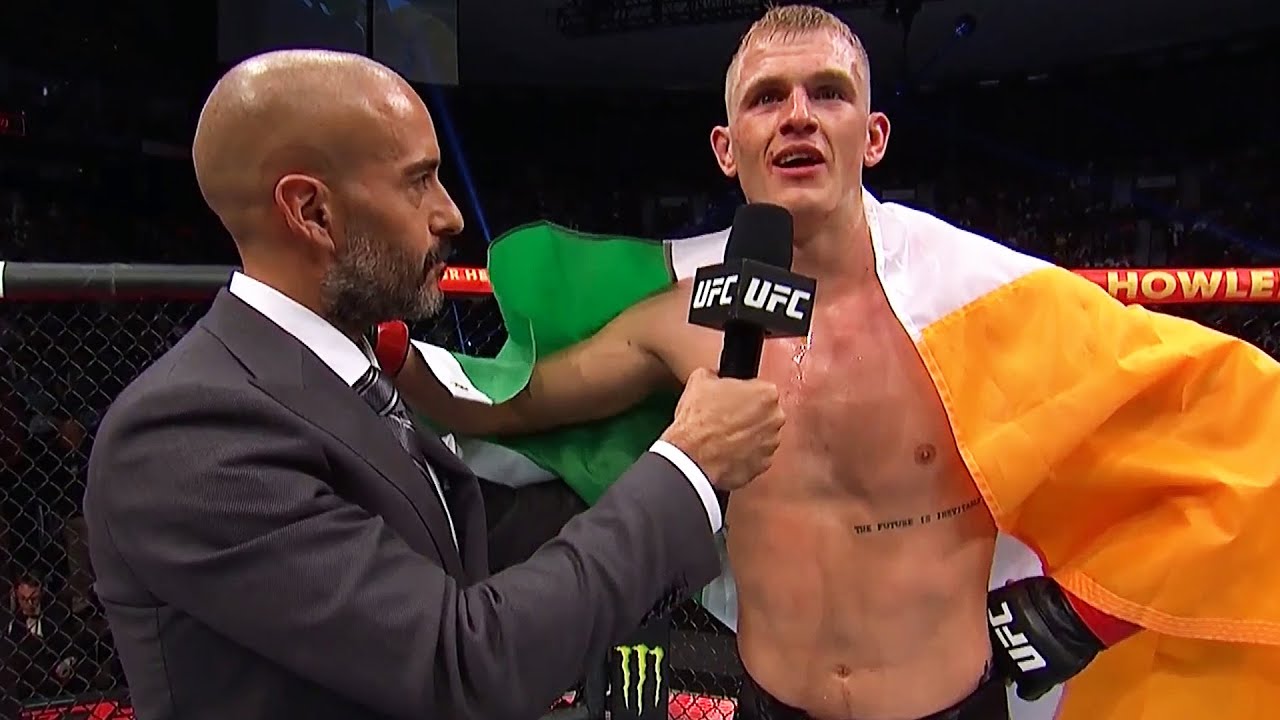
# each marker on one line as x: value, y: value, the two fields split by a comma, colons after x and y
x: 63, y: 364
x: 705, y: 671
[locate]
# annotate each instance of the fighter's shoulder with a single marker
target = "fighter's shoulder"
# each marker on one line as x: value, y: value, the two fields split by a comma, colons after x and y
x: 927, y: 249
x: 933, y: 268
x: 911, y: 227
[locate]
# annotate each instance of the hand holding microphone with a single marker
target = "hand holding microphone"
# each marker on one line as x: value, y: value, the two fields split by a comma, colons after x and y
x: 730, y: 428
x: 731, y: 425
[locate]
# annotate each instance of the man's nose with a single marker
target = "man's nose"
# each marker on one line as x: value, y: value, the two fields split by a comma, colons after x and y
x: 447, y: 220
x: 799, y: 118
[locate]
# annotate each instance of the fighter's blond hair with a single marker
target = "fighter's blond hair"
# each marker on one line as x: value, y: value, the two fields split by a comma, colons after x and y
x: 788, y: 21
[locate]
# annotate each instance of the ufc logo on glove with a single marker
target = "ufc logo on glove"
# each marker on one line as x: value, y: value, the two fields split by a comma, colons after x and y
x: 1016, y: 644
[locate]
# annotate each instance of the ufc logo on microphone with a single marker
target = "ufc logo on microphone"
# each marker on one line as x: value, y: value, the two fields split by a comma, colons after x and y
x: 713, y: 290
x: 753, y: 294
x: 1016, y: 644
x: 769, y: 296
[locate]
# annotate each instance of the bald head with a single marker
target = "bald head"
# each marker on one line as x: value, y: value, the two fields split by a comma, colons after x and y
x: 310, y: 112
x: 324, y: 168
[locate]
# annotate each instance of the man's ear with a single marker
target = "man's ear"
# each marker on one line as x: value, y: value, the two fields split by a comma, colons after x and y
x: 877, y: 139
x: 723, y: 149
x: 304, y: 205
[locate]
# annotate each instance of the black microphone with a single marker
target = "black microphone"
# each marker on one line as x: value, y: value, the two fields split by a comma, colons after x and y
x: 753, y: 294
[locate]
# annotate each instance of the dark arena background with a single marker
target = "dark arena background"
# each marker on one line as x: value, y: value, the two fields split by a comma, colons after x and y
x: 1130, y: 138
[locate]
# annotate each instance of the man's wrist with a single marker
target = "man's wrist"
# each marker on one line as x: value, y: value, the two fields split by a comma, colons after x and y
x: 696, y: 477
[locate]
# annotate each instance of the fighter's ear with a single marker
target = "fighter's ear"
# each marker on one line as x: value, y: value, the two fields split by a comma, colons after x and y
x: 722, y: 146
x: 304, y: 203
x: 877, y: 138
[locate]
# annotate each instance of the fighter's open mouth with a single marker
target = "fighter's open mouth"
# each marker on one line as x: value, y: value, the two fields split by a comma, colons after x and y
x: 797, y: 159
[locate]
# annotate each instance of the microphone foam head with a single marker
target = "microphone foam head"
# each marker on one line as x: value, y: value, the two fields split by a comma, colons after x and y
x: 761, y: 232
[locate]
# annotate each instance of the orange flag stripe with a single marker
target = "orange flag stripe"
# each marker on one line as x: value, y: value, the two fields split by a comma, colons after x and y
x: 1139, y: 463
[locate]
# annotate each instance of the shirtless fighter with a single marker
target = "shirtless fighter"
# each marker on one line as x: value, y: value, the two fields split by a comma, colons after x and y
x: 843, y: 613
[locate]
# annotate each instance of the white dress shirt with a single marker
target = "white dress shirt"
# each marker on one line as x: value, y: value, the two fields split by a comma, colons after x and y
x: 334, y: 349
x: 346, y: 359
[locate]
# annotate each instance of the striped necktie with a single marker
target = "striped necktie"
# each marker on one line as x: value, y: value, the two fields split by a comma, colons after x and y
x: 377, y: 390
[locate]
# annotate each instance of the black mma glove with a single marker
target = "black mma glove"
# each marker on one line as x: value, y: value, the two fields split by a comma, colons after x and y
x: 1037, y: 638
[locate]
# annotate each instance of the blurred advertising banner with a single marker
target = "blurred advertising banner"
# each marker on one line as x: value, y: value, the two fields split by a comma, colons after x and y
x: 416, y: 38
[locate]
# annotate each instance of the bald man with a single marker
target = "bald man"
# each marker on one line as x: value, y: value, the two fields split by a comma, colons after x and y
x: 272, y: 538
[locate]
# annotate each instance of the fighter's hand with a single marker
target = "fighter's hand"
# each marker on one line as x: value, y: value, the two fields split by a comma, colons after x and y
x: 730, y: 428
x: 1038, y: 640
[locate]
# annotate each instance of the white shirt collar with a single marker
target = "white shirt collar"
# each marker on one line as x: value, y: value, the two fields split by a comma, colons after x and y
x: 333, y: 348
x: 336, y: 350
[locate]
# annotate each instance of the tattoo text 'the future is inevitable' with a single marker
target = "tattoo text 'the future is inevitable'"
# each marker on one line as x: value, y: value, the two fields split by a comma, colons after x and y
x: 917, y: 520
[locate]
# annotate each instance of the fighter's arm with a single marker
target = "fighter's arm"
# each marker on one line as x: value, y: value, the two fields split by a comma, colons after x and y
x: 599, y: 377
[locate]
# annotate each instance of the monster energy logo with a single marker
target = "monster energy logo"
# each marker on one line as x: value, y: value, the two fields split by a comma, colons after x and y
x: 643, y: 653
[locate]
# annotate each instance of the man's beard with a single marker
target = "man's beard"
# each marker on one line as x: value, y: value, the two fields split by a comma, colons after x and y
x: 374, y: 281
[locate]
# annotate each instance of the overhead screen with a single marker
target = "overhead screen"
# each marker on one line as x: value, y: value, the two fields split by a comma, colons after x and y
x: 417, y: 38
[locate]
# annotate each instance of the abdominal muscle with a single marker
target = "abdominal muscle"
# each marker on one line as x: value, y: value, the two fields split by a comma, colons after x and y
x: 862, y: 557
x: 857, y: 628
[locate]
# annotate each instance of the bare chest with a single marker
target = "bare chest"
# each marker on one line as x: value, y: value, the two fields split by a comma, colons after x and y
x: 861, y: 409
x: 864, y: 421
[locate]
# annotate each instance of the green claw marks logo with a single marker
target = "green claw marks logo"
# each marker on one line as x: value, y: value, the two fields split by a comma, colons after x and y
x: 643, y: 654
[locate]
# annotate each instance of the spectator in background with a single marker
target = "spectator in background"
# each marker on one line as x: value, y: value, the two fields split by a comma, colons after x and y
x: 36, y: 661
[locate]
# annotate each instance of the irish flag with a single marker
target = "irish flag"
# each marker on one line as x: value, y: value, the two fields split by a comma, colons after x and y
x: 1132, y: 455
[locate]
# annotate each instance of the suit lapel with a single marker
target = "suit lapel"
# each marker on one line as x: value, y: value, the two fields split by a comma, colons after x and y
x: 462, y: 493
x: 475, y: 534
x: 440, y: 456
x: 463, y: 496
x: 288, y: 371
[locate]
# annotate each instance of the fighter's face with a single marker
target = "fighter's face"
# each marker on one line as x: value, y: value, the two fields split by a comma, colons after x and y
x: 394, y: 233
x: 800, y: 128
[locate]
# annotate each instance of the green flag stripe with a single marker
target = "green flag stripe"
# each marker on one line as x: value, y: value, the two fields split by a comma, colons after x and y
x: 555, y: 287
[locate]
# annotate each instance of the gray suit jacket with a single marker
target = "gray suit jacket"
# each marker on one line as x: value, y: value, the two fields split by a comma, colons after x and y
x: 264, y: 548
